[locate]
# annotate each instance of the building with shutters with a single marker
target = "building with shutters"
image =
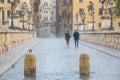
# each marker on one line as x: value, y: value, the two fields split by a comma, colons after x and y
x: 6, y: 17
x: 102, y: 15
x: 47, y: 18
x: 74, y: 15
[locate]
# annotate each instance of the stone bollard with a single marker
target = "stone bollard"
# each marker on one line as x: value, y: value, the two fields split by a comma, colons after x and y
x: 30, y: 64
x: 84, y: 65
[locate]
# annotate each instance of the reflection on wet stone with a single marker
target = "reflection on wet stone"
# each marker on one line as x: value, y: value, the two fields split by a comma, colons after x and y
x: 84, y: 77
x: 32, y: 77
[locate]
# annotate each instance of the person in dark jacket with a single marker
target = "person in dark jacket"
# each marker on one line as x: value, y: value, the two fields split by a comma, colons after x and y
x: 76, y: 36
x: 67, y: 38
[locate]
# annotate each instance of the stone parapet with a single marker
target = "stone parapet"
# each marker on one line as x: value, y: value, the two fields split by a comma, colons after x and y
x: 12, y: 38
x: 108, y: 38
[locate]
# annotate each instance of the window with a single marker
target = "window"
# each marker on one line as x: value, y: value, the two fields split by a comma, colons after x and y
x: 8, y: 1
x: 46, y: 4
x: 40, y: 17
x: 51, y: 18
x: 63, y: 14
x: 1, y: 1
x: 70, y: 1
x: 46, y: 12
x: 118, y: 24
x: 3, y: 17
x: 100, y: 11
x: 19, y: 12
x: 68, y: 16
x: 64, y: 2
x: 99, y: 24
x: 8, y: 13
x: 80, y: 0
x: 45, y: 18
x: 81, y: 10
x: 64, y: 25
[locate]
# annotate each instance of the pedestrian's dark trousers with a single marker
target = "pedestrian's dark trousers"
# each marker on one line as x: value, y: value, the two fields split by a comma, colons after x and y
x: 76, y: 42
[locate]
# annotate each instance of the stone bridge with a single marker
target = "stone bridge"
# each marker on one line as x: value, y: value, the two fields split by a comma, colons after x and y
x: 10, y: 39
x: 109, y: 39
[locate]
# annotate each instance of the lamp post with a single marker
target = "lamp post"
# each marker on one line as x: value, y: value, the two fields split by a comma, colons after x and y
x: 77, y: 20
x: 23, y: 13
x: 84, y: 20
x: 111, y: 21
x: 12, y: 9
x: 29, y: 15
x: 24, y: 8
x: 93, y: 11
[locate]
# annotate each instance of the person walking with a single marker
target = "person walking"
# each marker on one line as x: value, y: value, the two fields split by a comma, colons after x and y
x: 76, y: 36
x: 67, y: 38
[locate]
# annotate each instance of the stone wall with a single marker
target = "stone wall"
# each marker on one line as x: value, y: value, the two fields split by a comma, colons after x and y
x: 109, y: 39
x: 10, y: 39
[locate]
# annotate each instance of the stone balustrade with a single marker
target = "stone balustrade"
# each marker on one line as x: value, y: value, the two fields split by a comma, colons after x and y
x: 109, y: 38
x: 10, y: 39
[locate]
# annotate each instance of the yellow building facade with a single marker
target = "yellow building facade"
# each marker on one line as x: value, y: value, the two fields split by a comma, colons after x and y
x: 4, y: 6
x: 5, y: 15
x: 101, y: 20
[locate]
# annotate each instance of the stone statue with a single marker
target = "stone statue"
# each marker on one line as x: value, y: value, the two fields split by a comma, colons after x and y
x: 106, y: 7
x: 90, y: 8
x: 82, y: 17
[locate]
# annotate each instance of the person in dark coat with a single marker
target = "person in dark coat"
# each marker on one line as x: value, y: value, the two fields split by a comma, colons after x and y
x: 67, y: 38
x: 76, y: 36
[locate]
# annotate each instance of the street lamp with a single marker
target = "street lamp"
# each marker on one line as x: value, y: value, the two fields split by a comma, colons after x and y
x: 77, y: 19
x: 111, y: 22
x: 23, y: 13
x: 12, y: 9
x: 93, y: 11
x: 84, y: 20
x: 29, y: 15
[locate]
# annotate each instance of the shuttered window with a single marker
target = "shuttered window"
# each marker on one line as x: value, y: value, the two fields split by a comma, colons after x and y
x: 100, y: 11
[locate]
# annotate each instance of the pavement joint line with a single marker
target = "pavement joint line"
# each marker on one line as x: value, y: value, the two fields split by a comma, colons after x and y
x: 8, y: 65
x: 101, y: 48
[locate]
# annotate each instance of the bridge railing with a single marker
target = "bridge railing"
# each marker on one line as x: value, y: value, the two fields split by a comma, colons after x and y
x: 109, y: 38
x: 10, y: 39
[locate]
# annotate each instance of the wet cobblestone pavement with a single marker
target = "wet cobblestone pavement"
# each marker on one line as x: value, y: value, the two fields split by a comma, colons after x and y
x: 55, y: 61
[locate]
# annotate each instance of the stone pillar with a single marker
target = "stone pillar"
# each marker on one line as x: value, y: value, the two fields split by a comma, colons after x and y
x: 84, y: 64
x: 30, y: 64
